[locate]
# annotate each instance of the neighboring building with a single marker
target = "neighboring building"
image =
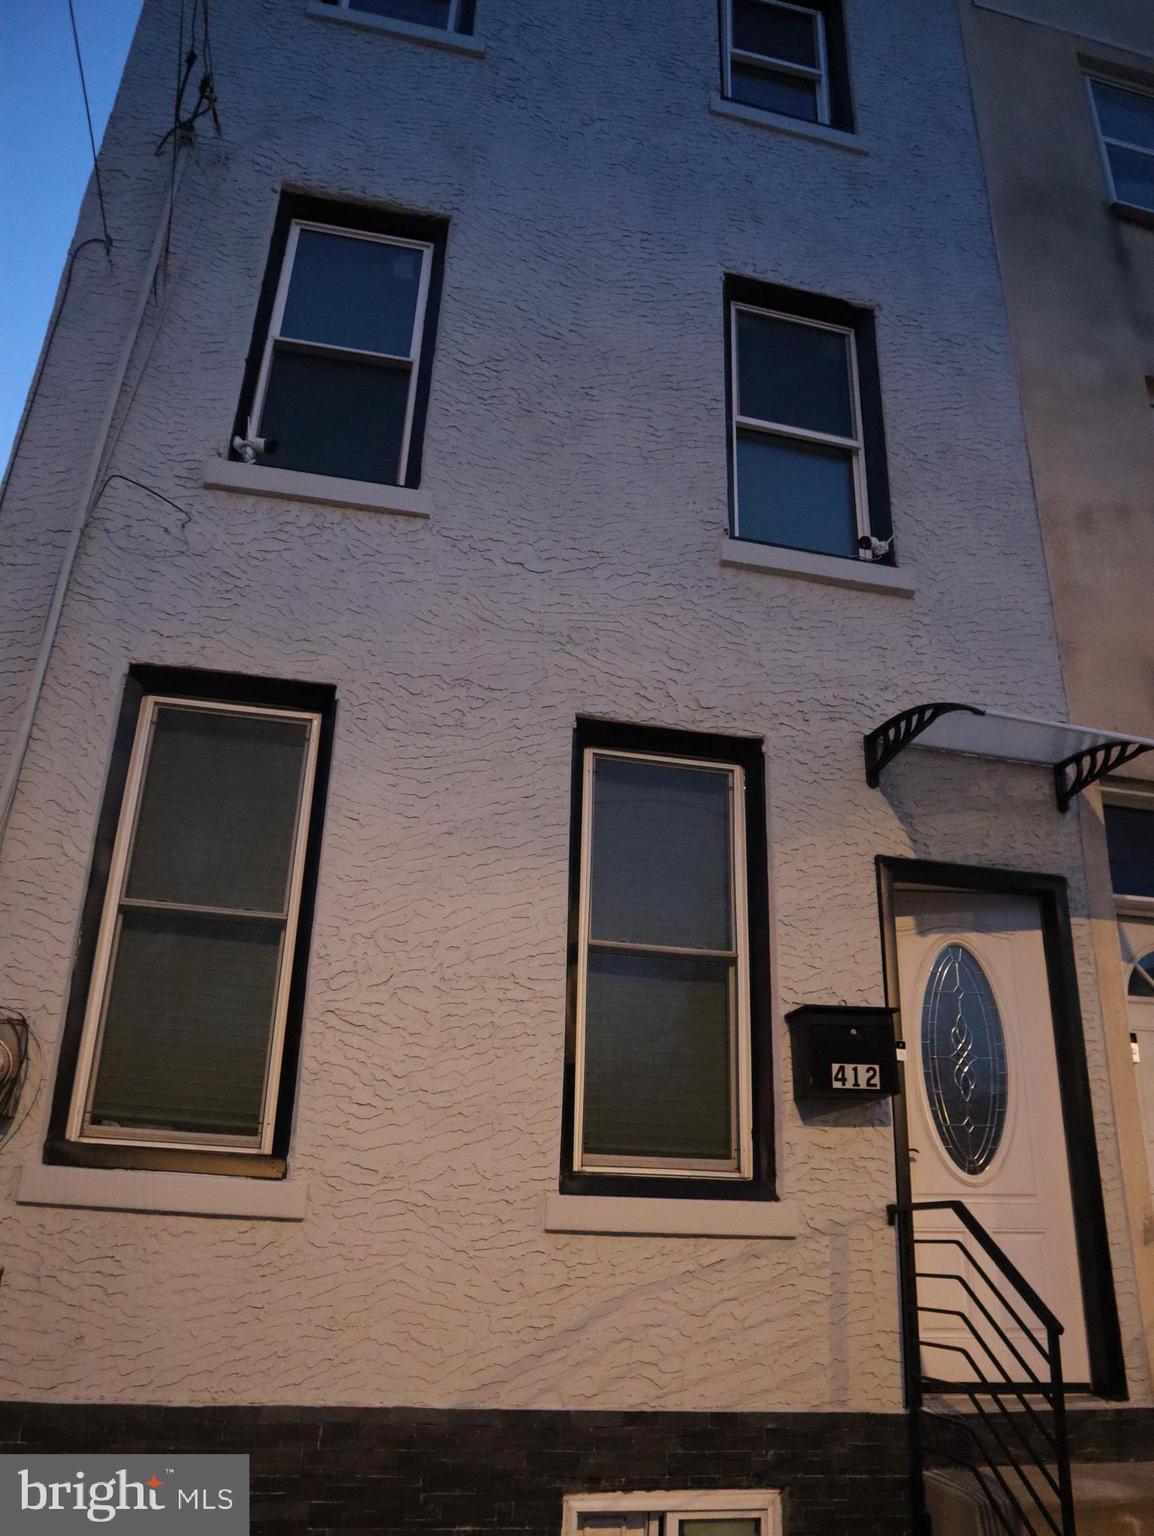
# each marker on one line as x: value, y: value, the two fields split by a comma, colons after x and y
x: 1070, y: 164
x: 461, y: 536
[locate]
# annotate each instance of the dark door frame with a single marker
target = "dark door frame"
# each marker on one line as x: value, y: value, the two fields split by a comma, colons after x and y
x: 1103, y: 1333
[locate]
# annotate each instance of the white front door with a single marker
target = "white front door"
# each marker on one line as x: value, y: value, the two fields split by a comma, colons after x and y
x: 1137, y: 936
x: 985, y: 1122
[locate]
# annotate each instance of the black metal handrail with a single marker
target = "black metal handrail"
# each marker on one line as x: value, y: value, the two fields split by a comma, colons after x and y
x: 1019, y: 1460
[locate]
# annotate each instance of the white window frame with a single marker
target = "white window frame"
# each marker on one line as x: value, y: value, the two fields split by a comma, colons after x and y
x: 740, y: 1165
x: 115, y: 901
x: 643, y: 1512
x: 771, y: 65
x: 855, y: 444
x: 411, y: 361
x: 450, y: 25
x: 1106, y: 140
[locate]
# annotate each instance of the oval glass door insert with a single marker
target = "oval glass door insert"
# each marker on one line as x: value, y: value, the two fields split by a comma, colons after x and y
x: 964, y: 1059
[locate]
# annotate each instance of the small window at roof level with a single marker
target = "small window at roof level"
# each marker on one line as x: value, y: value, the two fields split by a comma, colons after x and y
x: 1130, y: 840
x: 340, y: 368
x: 786, y: 58
x: 808, y: 468
x: 444, y: 15
x: 1125, y: 119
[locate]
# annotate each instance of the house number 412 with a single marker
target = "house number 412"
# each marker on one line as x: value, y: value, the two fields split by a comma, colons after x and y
x: 856, y: 1075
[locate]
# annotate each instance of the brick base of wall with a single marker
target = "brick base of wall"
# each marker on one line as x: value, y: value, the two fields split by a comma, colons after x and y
x: 383, y: 1471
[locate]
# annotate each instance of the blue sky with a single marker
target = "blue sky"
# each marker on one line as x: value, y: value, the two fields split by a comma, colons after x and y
x: 46, y: 163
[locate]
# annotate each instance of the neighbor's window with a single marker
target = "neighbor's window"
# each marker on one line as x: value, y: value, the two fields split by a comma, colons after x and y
x: 445, y: 15
x: 798, y: 439
x: 344, y: 353
x: 1125, y: 118
x: 786, y: 58
x: 1130, y: 840
x: 184, y: 1012
x: 662, y: 1040
x: 745, y: 1512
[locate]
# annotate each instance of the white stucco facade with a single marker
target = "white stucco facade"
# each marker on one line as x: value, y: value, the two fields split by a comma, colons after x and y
x: 575, y: 486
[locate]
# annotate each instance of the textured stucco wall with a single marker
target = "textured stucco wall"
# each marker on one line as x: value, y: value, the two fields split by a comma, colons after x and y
x: 575, y: 464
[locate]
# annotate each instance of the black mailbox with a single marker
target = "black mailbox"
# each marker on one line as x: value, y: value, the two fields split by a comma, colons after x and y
x: 843, y: 1055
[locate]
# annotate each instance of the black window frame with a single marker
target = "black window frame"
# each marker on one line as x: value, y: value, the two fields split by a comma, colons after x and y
x: 838, y: 84
x: 743, y: 291
x: 747, y: 753
x: 204, y: 687
x: 356, y: 218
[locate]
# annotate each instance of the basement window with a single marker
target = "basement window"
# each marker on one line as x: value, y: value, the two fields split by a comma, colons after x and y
x: 718, y: 1512
x: 340, y: 367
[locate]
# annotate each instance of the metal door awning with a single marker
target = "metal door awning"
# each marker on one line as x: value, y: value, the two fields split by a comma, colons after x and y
x: 1077, y: 755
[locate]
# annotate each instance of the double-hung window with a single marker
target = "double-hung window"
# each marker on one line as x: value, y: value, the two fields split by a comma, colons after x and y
x: 806, y: 451
x: 786, y: 57
x: 1125, y: 119
x: 187, y: 995
x: 444, y: 15
x: 669, y: 950
x: 341, y: 361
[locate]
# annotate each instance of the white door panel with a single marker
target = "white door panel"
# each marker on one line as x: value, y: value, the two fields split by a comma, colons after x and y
x: 1137, y: 939
x: 985, y: 1121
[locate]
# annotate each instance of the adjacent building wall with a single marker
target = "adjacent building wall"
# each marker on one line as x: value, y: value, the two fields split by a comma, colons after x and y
x: 1079, y: 286
x: 576, y: 479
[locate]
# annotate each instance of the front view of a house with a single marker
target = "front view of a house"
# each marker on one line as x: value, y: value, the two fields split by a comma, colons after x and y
x: 544, y: 861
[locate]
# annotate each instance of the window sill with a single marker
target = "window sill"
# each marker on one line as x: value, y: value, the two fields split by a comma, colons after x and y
x: 636, y: 1216
x: 452, y: 42
x: 295, y: 485
x: 1133, y: 213
x: 186, y: 1194
x: 865, y: 576
x: 795, y: 127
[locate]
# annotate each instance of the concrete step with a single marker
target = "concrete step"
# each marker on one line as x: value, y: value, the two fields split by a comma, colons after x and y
x: 1114, y: 1498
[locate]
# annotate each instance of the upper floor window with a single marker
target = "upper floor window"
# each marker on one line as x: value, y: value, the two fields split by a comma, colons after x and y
x: 339, y: 373
x: 187, y: 995
x: 1130, y: 840
x: 1125, y: 119
x: 444, y: 15
x: 806, y: 447
x: 669, y: 875
x: 786, y: 58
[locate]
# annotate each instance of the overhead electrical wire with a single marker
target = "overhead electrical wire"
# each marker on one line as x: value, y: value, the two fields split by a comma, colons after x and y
x: 182, y: 133
x: 183, y: 127
x: 88, y: 119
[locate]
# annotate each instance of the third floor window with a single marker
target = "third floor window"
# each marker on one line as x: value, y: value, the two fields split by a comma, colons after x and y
x: 339, y: 372
x: 806, y: 447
